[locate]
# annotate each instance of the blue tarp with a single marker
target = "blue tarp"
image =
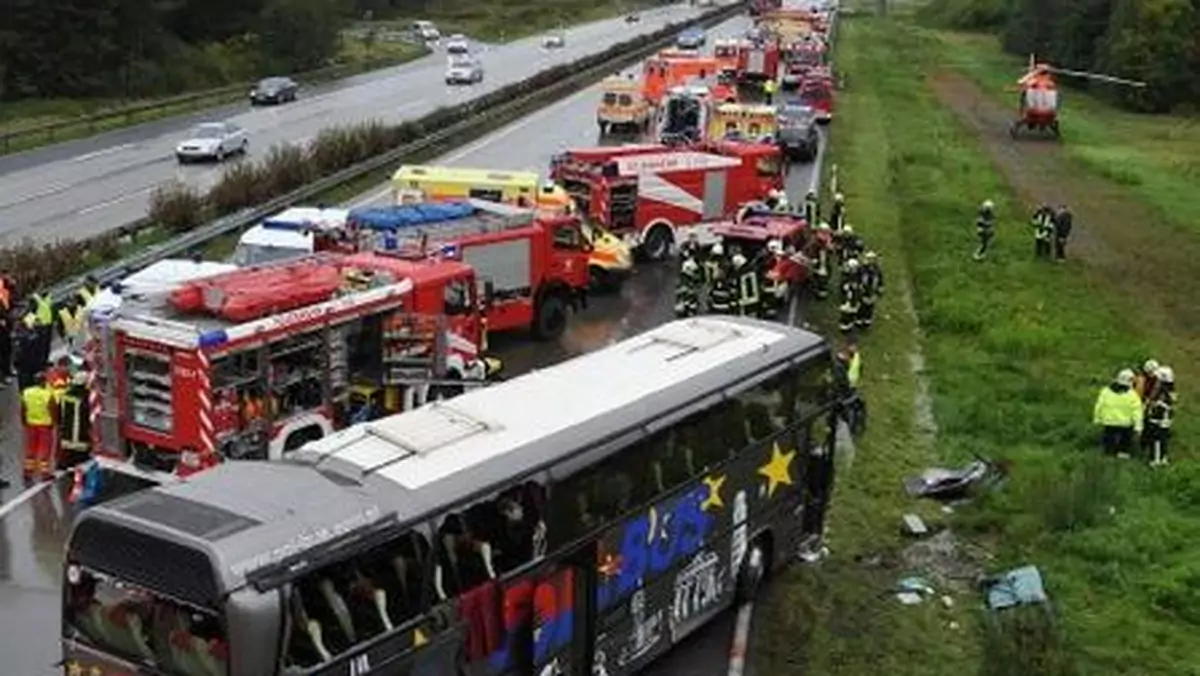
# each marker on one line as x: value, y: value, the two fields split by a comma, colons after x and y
x: 403, y: 216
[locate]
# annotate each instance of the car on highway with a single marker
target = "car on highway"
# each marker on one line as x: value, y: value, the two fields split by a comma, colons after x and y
x: 458, y: 44
x: 632, y: 18
x: 212, y: 141
x: 426, y: 30
x: 797, y: 133
x: 463, y: 70
x: 692, y: 38
x: 274, y: 90
x: 554, y: 41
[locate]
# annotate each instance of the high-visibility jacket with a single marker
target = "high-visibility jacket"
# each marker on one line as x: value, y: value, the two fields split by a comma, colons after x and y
x: 1118, y: 409
x: 38, y: 401
x: 72, y: 322
x: 29, y: 319
x: 87, y: 293
x: 854, y: 371
x: 769, y: 86
x: 43, y: 309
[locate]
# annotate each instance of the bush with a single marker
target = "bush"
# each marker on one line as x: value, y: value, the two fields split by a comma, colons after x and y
x: 177, y: 206
x: 35, y: 266
x: 285, y: 168
x: 241, y: 185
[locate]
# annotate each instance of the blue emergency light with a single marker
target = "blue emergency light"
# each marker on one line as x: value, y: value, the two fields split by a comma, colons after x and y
x: 450, y: 250
x: 213, y: 338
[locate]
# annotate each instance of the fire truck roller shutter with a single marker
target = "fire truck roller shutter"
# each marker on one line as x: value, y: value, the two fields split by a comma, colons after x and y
x: 714, y: 195
x: 505, y: 264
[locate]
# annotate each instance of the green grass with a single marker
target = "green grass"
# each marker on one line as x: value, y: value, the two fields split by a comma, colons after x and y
x: 1155, y: 156
x: 355, y: 57
x: 1015, y: 352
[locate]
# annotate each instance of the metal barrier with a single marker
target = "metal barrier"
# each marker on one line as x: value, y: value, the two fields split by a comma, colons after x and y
x: 190, y: 241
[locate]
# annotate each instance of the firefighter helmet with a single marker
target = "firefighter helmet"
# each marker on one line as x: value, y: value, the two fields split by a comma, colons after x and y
x: 775, y: 246
x: 987, y: 206
x: 849, y: 229
x: 852, y: 264
x: 738, y: 260
x: 717, y: 250
x: 871, y: 256
x: 1124, y: 377
x: 1166, y: 374
x: 690, y: 267
x: 823, y: 226
x: 1150, y: 366
x: 839, y: 197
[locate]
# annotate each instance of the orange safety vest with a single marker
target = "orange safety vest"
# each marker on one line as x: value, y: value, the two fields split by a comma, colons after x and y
x: 5, y: 296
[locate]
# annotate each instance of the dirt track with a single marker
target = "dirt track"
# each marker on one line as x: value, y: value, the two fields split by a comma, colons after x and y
x: 1123, y: 246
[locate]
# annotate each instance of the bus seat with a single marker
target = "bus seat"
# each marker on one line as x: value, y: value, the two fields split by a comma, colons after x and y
x: 340, y: 610
x: 213, y: 664
x: 185, y: 656
x: 381, y: 607
x: 314, y: 634
x: 400, y: 566
x: 485, y: 554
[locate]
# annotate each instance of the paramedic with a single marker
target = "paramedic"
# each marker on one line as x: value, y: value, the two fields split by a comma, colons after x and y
x: 37, y: 409
x: 1119, y: 411
x: 847, y: 375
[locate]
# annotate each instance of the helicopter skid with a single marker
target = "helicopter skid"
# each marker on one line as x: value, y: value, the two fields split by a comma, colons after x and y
x: 1047, y: 130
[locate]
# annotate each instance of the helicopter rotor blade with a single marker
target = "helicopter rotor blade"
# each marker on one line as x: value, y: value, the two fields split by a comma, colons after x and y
x: 1096, y: 76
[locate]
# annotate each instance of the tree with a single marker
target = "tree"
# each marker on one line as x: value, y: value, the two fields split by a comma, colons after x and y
x: 299, y: 34
x: 1154, y: 41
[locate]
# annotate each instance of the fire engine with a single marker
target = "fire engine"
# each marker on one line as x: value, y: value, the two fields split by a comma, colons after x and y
x: 816, y: 91
x: 645, y: 192
x: 725, y: 51
x: 531, y: 270
x: 253, y: 363
x: 668, y: 70
x: 760, y: 7
x: 758, y: 61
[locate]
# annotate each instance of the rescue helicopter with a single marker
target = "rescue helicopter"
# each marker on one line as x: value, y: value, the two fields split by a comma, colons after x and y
x: 1039, y: 96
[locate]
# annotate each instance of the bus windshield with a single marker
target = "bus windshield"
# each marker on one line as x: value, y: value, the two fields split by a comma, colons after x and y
x: 144, y: 627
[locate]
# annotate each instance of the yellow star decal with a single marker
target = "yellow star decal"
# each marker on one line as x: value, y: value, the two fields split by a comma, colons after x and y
x: 73, y: 669
x: 713, y: 500
x: 419, y: 638
x: 778, y: 469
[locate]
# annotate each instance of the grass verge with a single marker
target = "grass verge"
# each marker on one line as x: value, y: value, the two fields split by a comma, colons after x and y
x: 1157, y: 157
x: 20, y: 116
x: 1016, y: 352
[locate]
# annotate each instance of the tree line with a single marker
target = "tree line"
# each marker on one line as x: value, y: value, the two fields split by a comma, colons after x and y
x: 129, y: 48
x: 1156, y: 42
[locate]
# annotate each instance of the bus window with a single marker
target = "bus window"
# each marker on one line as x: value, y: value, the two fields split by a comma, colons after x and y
x: 813, y: 383
x: 610, y: 99
x: 337, y: 607
x: 491, y: 195
x: 464, y: 559
x: 769, y: 407
x: 718, y: 432
x: 600, y: 493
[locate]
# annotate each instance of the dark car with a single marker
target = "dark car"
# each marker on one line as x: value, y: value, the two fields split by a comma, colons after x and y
x: 274, y: 90
x: 797, y: 135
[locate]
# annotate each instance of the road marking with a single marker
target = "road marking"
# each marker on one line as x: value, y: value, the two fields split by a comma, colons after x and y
x: 28, y: 494
x: 101, y: 153
x: 741, y: 640
x: 44, y: 192
x: 115, y: 200
x: 514, y: 127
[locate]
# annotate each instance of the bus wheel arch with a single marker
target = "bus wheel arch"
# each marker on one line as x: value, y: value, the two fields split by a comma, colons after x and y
x: 660, y: 235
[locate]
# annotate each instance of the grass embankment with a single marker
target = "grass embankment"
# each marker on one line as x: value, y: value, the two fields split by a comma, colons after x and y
x: 355, y: 57
x: 1016, y: 352
x: 1156, y: 157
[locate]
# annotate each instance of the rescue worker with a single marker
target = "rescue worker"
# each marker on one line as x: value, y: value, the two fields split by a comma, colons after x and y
x: 88, y: 290
x: 749, y: 294
x: 37, y: 412
x: 690, y: 248
x: 687, y: 290
x: 851, y: 297
x: 70, y: 324
x: 1146, y: 380
x: 847, y: 375
x: 43, y: 311
x: 812, y: 207
x: 773, y: 289
x: 822, y: 245
x: 28, y: 357
x: 715, y: 264
x: 1118, y: 410
x: 1043, y: 231
x: 849, y: 244
x: 58, y: 377
x: 1063, y: 221
x: 769, y: 89
x: 781, y: 201
x: 837, y: 214
x: 871, y: 279
x: 720, y: 290
x: 985, y: 228
x: 1160, y: 411
x: 6, y: 327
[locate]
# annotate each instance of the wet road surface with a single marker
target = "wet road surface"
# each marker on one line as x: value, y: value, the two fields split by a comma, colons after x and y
x: 85, y: 187
x: 32, y: 534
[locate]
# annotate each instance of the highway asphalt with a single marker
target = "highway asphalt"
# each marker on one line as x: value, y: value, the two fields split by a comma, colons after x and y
x: 32, y: 534
x: 85, y: 187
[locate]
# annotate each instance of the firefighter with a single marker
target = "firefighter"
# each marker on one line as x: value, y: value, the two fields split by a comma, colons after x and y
x: 1145, y: 382
x: 714, y: 264
x: 749, y: 294
x: 688, y: 288
x: 6, y: 328
x: 774, y: 289
x: 847, y: 375
x: 38, y: 414
x: 1160, y: 411
x: 837, y: 214
x: 849, y: 244
x: 871, y: 280
x: 28, y: 357
x: 1062, y: 230
x: 769, y: 89
x: 88, y: 290
x: 812, y: 207
x: 70, y: 323
x: 822, y: 245
x: 985, y: 228
x: 851, y: 292
x: 720, y: 295
x: 1118, y: 410
x: 1043, y: 231
x: 690, y: 248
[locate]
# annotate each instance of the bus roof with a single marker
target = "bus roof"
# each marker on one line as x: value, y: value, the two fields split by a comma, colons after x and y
x: 409, y: 466
x: 464, y: 175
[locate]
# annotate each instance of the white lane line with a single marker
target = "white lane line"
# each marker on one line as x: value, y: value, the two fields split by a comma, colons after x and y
x: 116, y: 200
x: 102, y: 153
x: 29, y: 197
x: 27, y: 495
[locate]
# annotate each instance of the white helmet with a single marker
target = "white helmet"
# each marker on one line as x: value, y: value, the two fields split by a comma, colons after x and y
x: 839, y: 197
x: 690, y: 267
x: 1166, y: 374
x: 823, y: 226
x: 987, y: 205
x: 775, y: 246
x: 1150, y: 366
x: 717, y: 250
x: 738, y: 260
x: 849, y: 229
x: 852, y: 264
x: 1124, y: 377
x: 871, y: 256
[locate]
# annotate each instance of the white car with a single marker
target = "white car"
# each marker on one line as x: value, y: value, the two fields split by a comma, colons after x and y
x: 425, y: 30
x: 458, y: 44
x: 212, y: 141
x: 464, y: 70
x: 554, y: 41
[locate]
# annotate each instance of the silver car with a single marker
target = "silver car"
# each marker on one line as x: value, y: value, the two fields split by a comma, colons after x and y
x: 458, y: 44
x: 464, y: 70
x: 212, y: 141
x: 554, y: 41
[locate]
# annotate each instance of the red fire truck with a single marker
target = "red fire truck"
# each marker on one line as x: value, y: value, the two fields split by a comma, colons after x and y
x: 645, y: 192
x: 816, y: 91
x: 758, y: 62
x: 532, y: 270
x: 253, y: 363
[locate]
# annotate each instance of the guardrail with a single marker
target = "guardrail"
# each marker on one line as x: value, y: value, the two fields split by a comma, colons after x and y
x: 128, y: 112
x: 594, y: 68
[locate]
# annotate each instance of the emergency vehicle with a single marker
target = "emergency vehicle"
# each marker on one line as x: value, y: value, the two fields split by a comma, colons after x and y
x: 421, y: 183
x: 531, y: 271
x: 622, y: 107
x: 646, y: 192
x: 664, y: 72
x: 751, y: 122
x: 775, y: 243
x: 725, y: 51
x: 254, y: 363
x: 758, y: 62
x: 816, y: 92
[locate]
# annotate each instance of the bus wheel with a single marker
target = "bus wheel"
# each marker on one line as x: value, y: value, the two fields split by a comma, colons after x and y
x: 754, y: 570
x: 551, y: 317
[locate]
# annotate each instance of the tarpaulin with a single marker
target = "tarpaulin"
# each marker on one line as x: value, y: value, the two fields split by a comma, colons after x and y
x: 402, y: 216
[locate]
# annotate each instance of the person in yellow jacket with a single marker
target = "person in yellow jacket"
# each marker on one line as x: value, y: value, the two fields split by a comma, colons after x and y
x: 1119, y: 411
x: 769, y: 88
x: 39, y: 405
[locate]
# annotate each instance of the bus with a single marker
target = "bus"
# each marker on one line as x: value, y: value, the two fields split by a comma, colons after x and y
x: 541, y: 525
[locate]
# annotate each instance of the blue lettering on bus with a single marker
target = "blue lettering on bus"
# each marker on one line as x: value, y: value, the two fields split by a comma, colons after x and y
x: 680, y: 527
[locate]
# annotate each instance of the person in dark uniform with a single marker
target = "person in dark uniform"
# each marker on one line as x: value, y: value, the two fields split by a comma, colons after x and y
x: 1043, y: 231
x: 1063, y: 220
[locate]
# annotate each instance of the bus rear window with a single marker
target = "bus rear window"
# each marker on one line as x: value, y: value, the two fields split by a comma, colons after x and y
x: 143, y: 627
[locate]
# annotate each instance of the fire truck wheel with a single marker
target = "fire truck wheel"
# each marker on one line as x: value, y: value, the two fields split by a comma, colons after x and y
x: 658, y: 242
x: 551, y: 317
